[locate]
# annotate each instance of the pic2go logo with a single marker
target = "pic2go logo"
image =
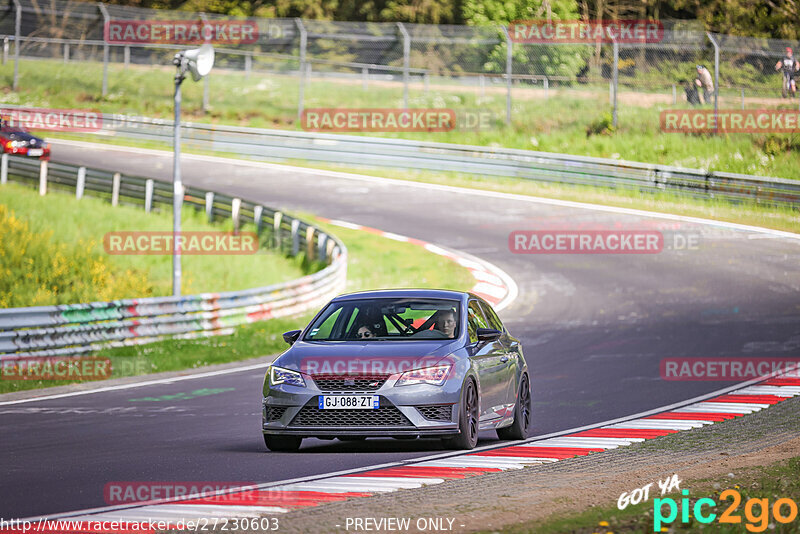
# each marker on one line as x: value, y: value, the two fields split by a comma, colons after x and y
x: 756, y: 511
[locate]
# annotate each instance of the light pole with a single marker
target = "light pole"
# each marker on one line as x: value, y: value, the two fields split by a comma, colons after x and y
x: 199, y: 63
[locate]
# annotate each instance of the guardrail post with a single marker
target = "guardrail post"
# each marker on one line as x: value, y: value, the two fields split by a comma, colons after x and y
x: 66, y: 53
x: 43, y: 177
x: 406, y: 60
x: 81, y: 184
x: 148, y: 196
x: 106, y: 20
x: 248, y: 64
x: 3, y: 169
x: 126, y: 56
x: 236, y: 207
x: 295, y: 237
x: 258, y: 211
x: 210, y: 206
x: 115, y: 188
x: 509, y: 72
x: 364, y: 78
x: 303, y: 45
x: 329, y: 246
x: 17, y: 31
x: 322, y: 247
x: 310, y: 242
x: 276, y: 225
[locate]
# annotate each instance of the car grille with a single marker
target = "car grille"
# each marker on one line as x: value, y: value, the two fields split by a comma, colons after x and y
x: 275, y: 412
x: 385, y: 416
x: 436, y: 412
x: 349, y: 382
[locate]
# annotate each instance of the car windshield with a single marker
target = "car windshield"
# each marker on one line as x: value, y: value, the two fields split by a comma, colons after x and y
x: 387, y: 319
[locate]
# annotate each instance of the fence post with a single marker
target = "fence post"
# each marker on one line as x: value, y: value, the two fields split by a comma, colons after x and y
x: 616, y: 81
x: 5, y: 50
x: 148, y: 196
x: 321, y: 247
x: 210, y: 206
x: 81, y: 183
x: 276, y: 226
x: 364, y: 78
x: 509, y: 72
x: 716, y: 79
x: 310, y: 242
x: 303, y: 44
x: 295, y: 237
x: 674, y: 95
x: 482, y: 85
x: 43, y: 177
x: 126, y: 56
x: 248, y: 64
x: 17, y: 31
x: 205, y: 93
x: 236, y: 207
x: 406, y: 60
x: 546, y: 87
x: 427, y: 79
x: 115, y: 189
x: 4, y: 169
x: 66, y: 53
x: 257, y: 213
x: 106, y: 20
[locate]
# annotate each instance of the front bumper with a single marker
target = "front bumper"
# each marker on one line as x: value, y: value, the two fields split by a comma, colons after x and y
x: 418, y: 410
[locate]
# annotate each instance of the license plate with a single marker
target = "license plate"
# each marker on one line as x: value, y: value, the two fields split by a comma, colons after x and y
x: 349, y: 402
x: 35, y: 151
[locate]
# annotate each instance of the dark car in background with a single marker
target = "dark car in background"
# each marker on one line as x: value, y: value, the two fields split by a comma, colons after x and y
x: 401, y: 363
x: 19, y: 142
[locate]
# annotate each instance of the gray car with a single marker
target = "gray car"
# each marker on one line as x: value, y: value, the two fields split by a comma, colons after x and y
x: 400, y: 363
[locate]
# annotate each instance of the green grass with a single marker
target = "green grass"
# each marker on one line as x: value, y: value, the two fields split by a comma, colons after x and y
x: 558, y: 124
x: 770, y: 482
x: 75, y: 230
x: 375, y: 262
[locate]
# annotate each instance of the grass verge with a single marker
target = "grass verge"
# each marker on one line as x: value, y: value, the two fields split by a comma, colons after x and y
x: 575, y: 122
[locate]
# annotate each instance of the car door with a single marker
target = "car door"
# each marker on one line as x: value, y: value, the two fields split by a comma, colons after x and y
x: 510, y: 372
x: 489, y: 360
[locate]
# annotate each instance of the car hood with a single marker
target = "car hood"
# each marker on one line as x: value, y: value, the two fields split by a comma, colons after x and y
x: 352, y: 357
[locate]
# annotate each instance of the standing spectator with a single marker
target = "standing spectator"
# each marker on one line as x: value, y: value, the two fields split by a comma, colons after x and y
x: 789, y: 65
x: 704, y: 80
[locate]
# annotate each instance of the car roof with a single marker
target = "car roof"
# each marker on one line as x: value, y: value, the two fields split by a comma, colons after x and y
x: 405, y: 293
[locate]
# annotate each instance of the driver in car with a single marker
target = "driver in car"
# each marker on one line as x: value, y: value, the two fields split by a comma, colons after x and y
x: 446, y: 323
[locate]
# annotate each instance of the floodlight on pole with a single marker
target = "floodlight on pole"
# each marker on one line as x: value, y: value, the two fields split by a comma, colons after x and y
x: 198, y: 62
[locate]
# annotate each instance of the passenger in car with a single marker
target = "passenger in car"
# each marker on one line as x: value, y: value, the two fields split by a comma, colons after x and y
x: 446, y: 323
x: 364, y: 332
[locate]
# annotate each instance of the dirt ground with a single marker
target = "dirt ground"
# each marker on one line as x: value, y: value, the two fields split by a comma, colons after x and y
x: 570, y: 486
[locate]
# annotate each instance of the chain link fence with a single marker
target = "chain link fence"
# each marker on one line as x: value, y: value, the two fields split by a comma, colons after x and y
x: 415, y: 61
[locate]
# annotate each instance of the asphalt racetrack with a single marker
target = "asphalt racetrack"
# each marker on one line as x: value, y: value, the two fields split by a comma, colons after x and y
x: 594, y: 328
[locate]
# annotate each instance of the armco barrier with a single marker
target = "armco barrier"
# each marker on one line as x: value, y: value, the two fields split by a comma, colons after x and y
x: 78, y: 328
x: 277, y: 145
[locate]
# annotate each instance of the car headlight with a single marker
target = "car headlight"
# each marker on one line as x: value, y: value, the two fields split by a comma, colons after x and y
x: 435, y: 376
x: 279, y: 375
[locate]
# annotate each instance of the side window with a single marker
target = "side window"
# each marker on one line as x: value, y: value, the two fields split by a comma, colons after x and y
x: 491, y: 316
x: 475, y: 320
x: 324, y: 330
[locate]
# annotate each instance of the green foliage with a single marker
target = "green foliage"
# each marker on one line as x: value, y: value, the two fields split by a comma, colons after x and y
x: 604, y: 125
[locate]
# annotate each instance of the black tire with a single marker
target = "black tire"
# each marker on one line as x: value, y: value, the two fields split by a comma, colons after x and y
x: 282, y: 443
x: 522, y: 414
x: 468, y: 415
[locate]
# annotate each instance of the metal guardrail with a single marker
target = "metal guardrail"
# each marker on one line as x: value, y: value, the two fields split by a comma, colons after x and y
x: 283, y: 145
x: 78, y: 328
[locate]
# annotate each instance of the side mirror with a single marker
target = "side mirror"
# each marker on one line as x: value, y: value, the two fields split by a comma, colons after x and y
x: 291, y: 336
x: 488, y: 334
